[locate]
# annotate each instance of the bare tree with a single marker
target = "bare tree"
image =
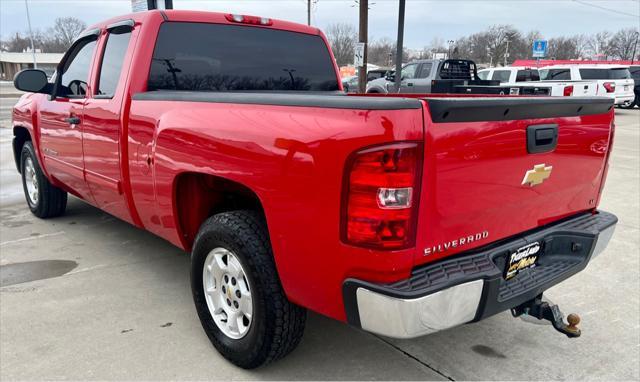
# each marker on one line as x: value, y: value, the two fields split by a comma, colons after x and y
x: 64, y: 31
x: 598, y: 44
x: 622, y: 43
x: 342, y: 38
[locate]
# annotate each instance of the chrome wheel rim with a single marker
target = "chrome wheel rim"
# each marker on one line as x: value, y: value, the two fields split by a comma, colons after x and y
x: 228, y: 293
x: 31, y: 181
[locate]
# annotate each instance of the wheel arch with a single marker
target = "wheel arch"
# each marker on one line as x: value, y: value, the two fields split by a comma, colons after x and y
x: 20, y: 136
x: 198, y: 196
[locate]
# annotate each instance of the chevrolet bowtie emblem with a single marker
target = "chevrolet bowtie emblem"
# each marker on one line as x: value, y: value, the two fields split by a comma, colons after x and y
x: 538, y: 175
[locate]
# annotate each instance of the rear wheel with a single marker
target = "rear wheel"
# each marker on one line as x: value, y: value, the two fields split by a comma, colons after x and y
x: 237, y: 292
x: 627, y: 105
x: 44, y: 199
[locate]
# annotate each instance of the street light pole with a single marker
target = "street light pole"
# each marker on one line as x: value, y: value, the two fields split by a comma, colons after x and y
x: 33, y: 49
x: 450, y: 43
x: 363, y: 37
x: 309, y: 12
x: 399, y: 44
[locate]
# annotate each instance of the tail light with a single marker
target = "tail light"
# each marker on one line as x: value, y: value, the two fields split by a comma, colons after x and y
x: 381, y: 194
x: 610, y: 86
x: 568, y: 91
x: 244, y: 19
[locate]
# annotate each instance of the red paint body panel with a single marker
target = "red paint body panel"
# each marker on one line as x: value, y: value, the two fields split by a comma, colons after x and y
x: 127, y: 155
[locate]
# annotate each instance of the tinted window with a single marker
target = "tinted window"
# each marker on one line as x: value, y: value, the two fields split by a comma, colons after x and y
x: 555, y: 74
x: 483, y: 75
x: 409, y: 71
x: 112, y: 60
x: 501, y: 75
x: 605, y: 74
x: 75, y: 73
x: 527, y: 75
x: 635, y: 72
x: 212, y: 57
x: 425, y: 70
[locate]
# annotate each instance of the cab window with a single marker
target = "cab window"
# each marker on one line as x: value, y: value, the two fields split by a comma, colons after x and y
x: 501, y: 75
x: 74, y: 75
x: 112, y: 60
x: 409, y: 71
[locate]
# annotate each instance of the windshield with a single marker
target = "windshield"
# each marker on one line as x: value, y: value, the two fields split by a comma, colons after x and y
x: 605, y: 74
x: 216, y: 57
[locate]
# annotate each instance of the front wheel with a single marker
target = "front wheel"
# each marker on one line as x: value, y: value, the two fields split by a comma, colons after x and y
x: 44, y: 199
x: 237, y: 292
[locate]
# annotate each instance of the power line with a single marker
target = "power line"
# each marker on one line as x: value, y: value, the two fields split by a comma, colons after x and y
x: 606, y: 9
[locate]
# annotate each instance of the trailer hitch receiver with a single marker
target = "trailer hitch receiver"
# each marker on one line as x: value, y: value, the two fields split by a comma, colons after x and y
x: 545, y: 310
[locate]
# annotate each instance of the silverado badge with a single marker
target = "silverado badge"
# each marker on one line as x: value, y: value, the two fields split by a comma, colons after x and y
x: 538, y: 175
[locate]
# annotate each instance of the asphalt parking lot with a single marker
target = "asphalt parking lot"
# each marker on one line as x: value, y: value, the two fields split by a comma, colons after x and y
x: 109, y: 301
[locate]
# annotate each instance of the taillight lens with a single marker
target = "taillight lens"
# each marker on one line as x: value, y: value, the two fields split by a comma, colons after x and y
x: 381, y: 191
x: 244, y: 19
x: 610, y: 86
x: 568, y: 91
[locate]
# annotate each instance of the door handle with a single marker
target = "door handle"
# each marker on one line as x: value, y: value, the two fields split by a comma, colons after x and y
x: 409, y: 83
x: 72, y: 120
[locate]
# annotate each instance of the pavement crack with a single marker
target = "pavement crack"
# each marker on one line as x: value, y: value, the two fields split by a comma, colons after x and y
x: 409, y: 355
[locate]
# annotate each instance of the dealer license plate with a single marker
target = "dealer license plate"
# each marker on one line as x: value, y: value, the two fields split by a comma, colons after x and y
x: 521, y: 259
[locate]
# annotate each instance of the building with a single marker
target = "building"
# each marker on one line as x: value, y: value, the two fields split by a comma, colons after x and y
x: 13, y: 62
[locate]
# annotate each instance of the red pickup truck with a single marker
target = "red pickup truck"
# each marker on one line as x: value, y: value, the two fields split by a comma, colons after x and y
x: 230, y: 137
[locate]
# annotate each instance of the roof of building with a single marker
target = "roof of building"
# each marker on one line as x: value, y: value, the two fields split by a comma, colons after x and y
x: 27, y: 57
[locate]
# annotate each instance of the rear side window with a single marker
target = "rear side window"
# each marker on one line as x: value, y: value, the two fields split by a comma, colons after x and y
x: 527, y: 75
x: 425, y: 70
x: 117, y: 44
x: 555, y: 74
x: 605, y: 74
x: 635, y: 72
x: 217, y: 57
x: 501, y: 75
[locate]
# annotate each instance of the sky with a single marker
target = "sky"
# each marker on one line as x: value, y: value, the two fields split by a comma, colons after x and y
x: 425, y: 19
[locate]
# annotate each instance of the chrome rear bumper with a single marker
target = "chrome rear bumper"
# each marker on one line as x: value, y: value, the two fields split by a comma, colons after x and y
x: 471, y: 287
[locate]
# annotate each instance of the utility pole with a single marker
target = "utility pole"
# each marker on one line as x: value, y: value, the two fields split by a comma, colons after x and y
x: 450, y: 43
x: 506, y: 53
x: 633, y: 56
x: 33, y: 48
x: 363, y: 37
x: 309, y: 12
x: 399, y: 44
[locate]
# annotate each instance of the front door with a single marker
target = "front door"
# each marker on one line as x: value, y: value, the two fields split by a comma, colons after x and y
x: 61, y: 119
x: 408, y: 77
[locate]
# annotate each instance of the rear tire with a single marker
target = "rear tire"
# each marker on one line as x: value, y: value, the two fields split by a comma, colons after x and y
x: 44, y: 199
x: 275, y: 326
x: 627, y: 105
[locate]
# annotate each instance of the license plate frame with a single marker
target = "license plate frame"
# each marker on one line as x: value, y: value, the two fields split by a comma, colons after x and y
x: 523, y: 258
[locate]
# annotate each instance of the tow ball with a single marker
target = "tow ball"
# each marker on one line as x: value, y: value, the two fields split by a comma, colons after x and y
x: 545, y: 310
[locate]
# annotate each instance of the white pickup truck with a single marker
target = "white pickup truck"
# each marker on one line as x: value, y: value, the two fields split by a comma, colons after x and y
x: 613, y: 81
x: 529, y: 77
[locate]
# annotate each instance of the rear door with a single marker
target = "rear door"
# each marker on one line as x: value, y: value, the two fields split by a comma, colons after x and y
x: 422, y: 82
x: 102, y: 125
x: 61, y: 118
x: 497, y: 167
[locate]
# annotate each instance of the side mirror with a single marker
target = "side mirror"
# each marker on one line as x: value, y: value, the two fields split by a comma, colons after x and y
x: 390, y: 77
x: 32, y: 81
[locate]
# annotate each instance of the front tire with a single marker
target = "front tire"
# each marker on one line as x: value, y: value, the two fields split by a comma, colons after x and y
x: 237, y: 292
x: 44, y: 199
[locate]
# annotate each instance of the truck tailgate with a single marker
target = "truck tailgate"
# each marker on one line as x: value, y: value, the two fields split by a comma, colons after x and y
x: 482, y: 183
